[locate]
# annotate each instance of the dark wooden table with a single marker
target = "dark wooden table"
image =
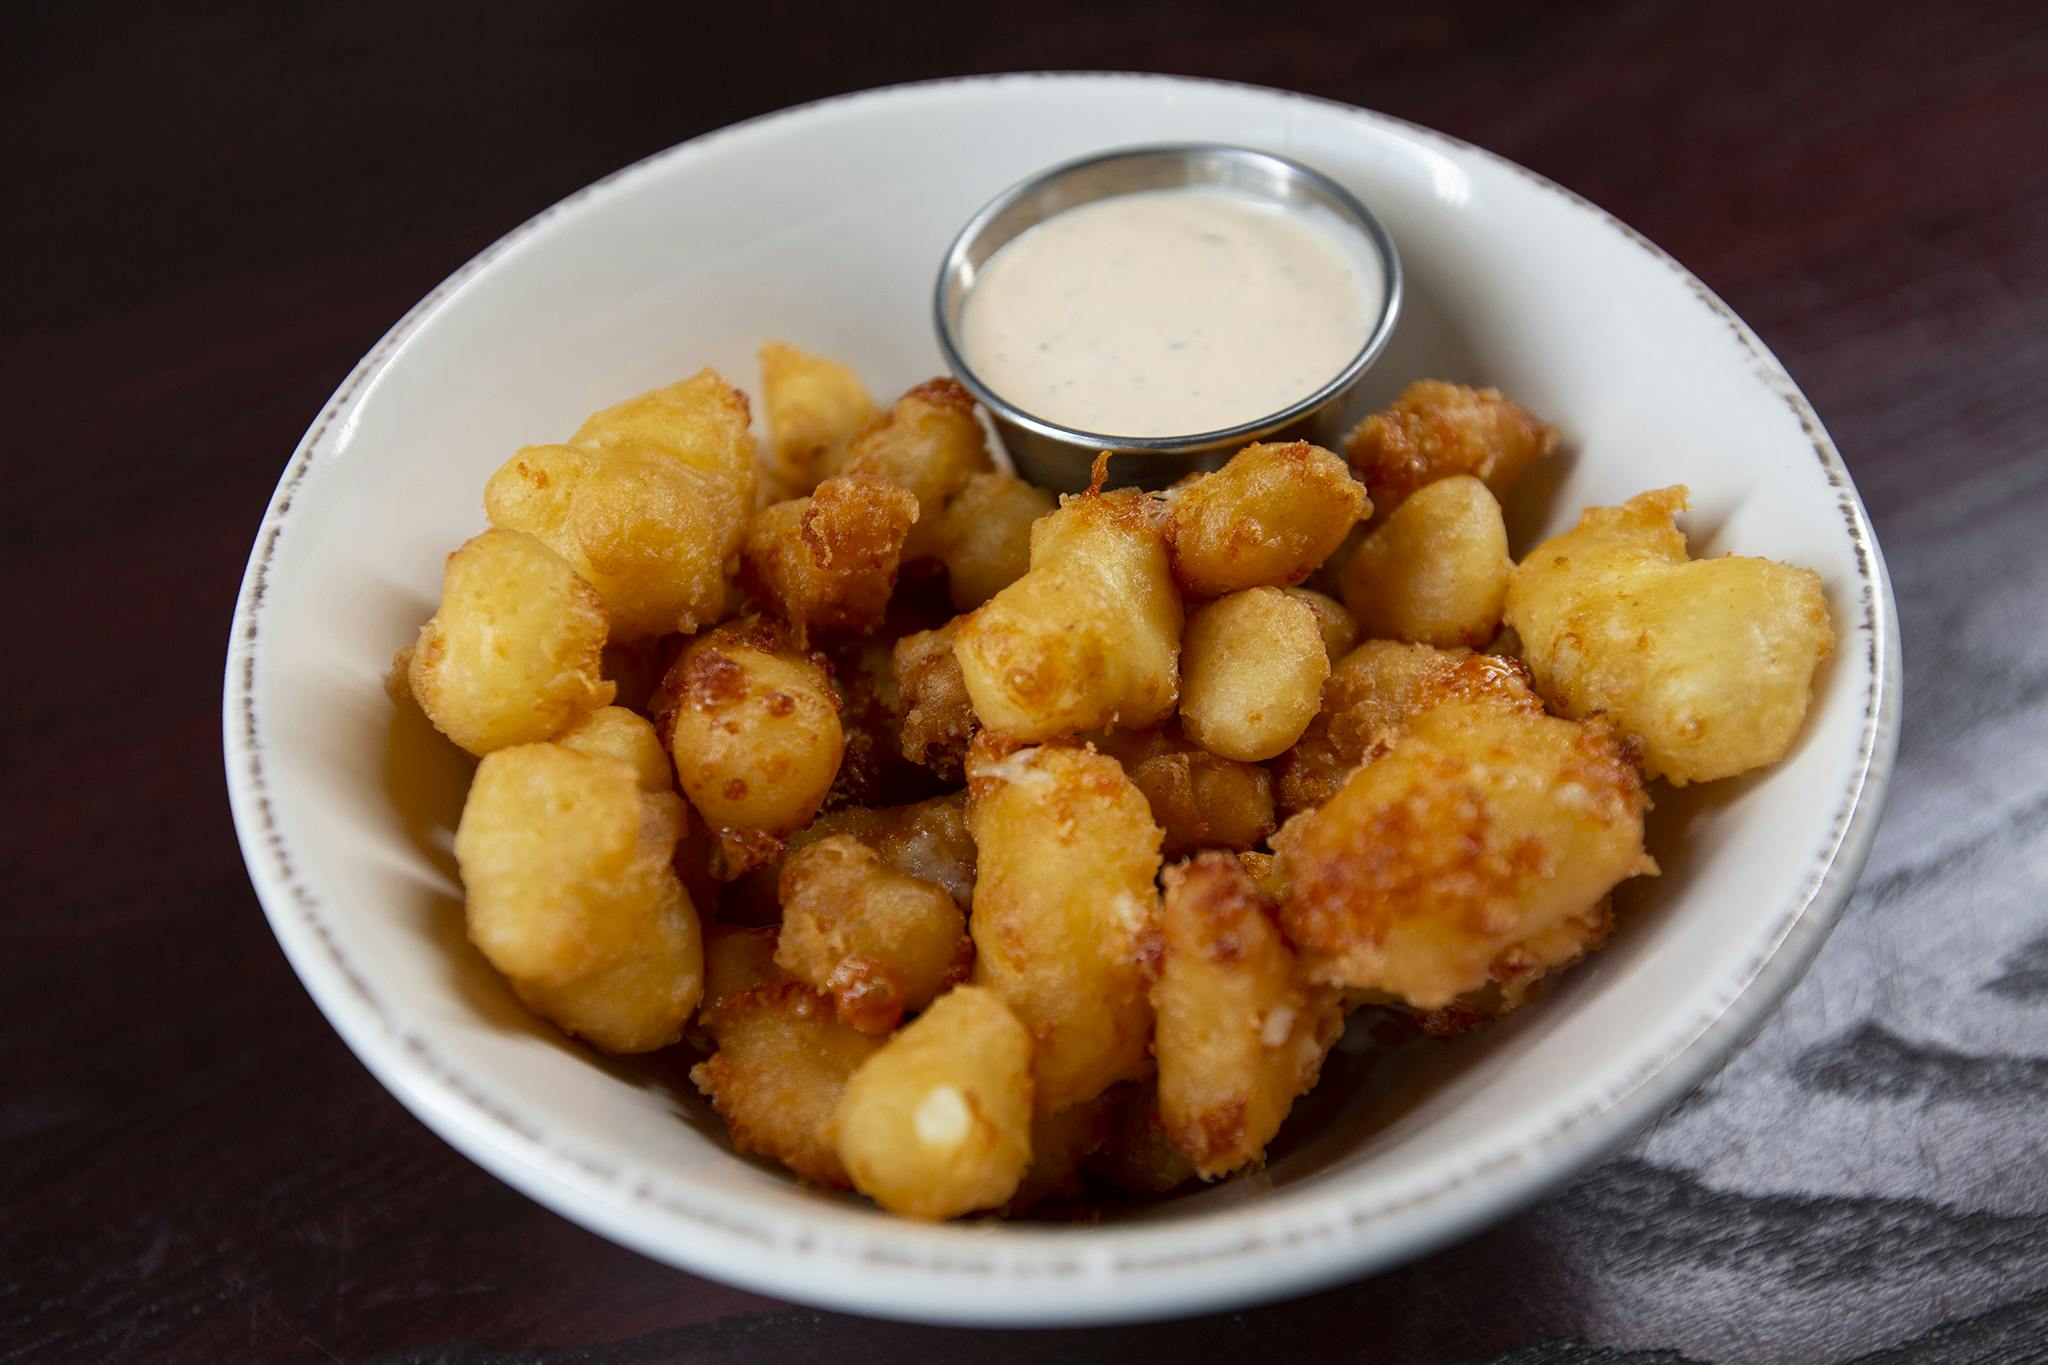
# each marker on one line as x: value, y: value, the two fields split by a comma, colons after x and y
x: 213, y: 215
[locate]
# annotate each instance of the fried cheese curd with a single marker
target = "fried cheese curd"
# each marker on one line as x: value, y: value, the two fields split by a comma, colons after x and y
x: 754, y: 731
x: 565, y: 860
x: 1239, y: 1033
x: 1065, y: 909
x: 1435, y: 430
x: 938, y: 716
x: 879, y: 942
x: 929, y: 443
x: 1267, y: 518
x: 938, y: 1121
x: 829, y: 559
x: 967, y: 1003
x: 915, y: 484
x: 646, y: 502
x: 1090, y: 636
x: 872, y: 770
x: 1372, y: 693
x: 813, y: 407
x: 514, y: 653
x: 1252, y: 671
x: 615, y: 732
x: 1198, y: 800
x: 1479, y: 846
x: 1506, y: 993
x: 1709, y: 663
x: 984, y: 535
x: 1436, y: 571
x: 927, y: 839
x: 782, y: 1059
x: 1338, y: 626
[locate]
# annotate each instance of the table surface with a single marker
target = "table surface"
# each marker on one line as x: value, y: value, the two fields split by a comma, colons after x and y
x: 217, y: 215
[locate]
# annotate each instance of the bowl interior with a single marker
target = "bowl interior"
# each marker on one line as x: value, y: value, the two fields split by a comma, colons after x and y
x: 823, y: 227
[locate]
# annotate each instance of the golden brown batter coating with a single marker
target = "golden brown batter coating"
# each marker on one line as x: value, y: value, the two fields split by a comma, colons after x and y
x: 1434, y: 430
x: 1479, y: 845
x: 1708, y: 662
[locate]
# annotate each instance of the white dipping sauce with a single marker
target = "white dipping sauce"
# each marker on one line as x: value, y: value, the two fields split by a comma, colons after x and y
x: 1171, y: 312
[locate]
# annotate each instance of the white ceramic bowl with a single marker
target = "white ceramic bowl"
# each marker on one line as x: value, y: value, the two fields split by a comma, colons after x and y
x: 823, y: 226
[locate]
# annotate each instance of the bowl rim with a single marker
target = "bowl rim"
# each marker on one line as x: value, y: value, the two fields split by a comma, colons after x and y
x: 1360, y: 218
x: 1288, y: 1242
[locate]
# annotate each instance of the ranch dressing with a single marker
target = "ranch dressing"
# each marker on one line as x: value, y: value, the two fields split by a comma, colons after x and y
x: 1171, y: 312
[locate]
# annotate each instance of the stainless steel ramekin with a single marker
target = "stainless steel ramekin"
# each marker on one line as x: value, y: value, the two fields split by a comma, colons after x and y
x: 1059, y: 457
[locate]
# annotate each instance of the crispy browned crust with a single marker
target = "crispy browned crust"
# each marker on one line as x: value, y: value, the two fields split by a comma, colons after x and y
x: 1311, y: 772
x: 706, y: 679
x: 829, y: 561
x: 988, y: 748
x: 1430, y: 856
x: 690, y: 677
x: 1121, y: 507
x: 1354, y: 725
x: 1241, y: 534
x: 1488, y: 676
x: 872, y: 769
x: 1263, y: 869
x: 1199, y: 800
x: 742, y: 850
x: 868, y: 994
x: 938, y: 718
x: 709, y: 679
x: 744, y: 1099
x: 1425, y: 857
x: 1216, y: 896
x: 1126, y: 507
x: 925, y: 839
x: 741, y: 406
x: 878, y: 940
x: 1434, y: 430
x: 857, y: 523
x: 1225, y: 1087
x: 1451, y: 1021
x: 1214, y: 1135
x: 1520, y: 977
x: 1098, y: 471
x: 945, y: 392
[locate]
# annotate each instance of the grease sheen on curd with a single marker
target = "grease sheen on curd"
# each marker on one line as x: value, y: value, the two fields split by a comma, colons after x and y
x: 1171, y: 312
